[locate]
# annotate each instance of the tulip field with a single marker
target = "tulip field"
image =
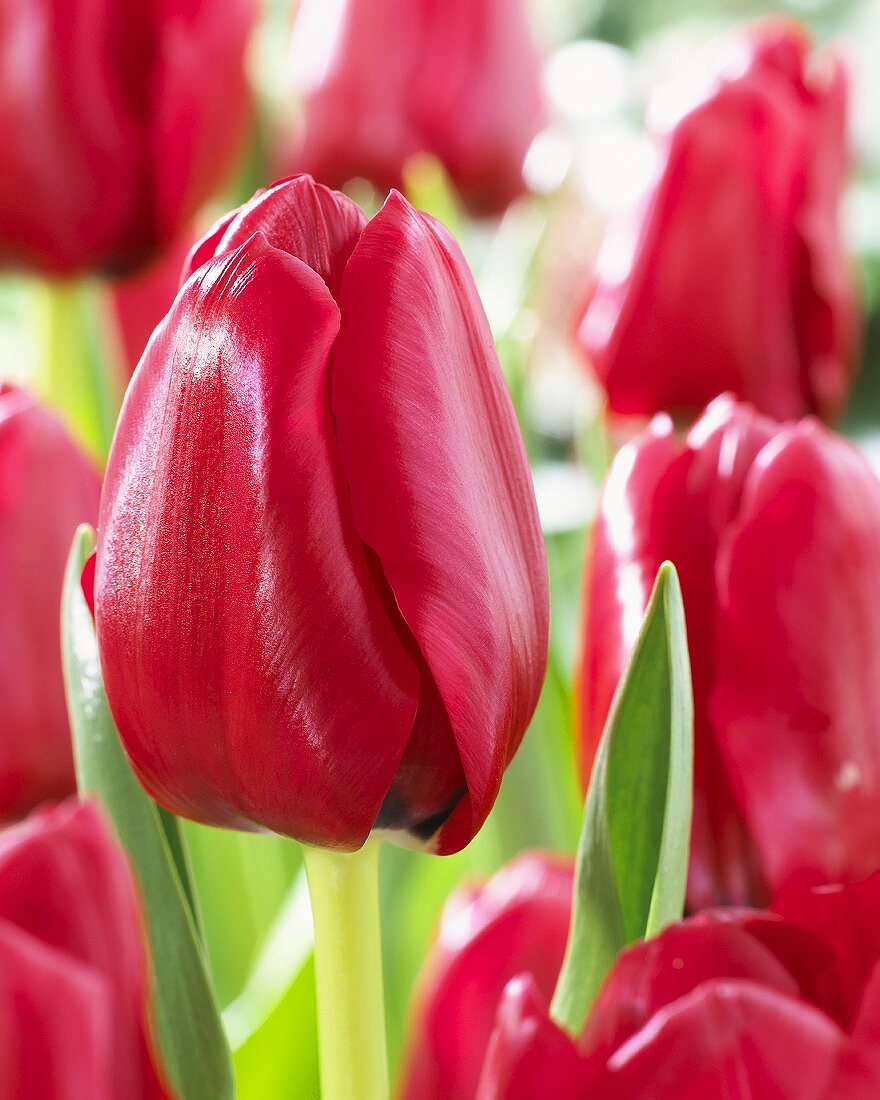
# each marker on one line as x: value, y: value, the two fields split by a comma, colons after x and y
x: 439, y: 550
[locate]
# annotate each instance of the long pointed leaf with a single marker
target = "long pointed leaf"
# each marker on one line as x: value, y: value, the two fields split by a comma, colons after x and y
x: 633, y: 853
x: 188, y: 1024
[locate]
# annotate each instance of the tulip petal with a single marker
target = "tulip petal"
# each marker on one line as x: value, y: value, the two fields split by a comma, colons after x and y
x: 478, y: 106
x: 56, y: 1022
x: 250, y: 666
x: 119, y: 121
x: 356, y: 123
x: 728, y: 1039
x: 459, y: 81
x: 858, y: 1074
x: 528, y: 1052
x: 827, y: 304
x: 730, y: 272
x: 846, y: 916
x: 796, y: 708
x: 723, y: 944
x: 71, y: 144
x: 516, y: 924
x: 445, y: 499
x: 200, y: 102
x: 319, y: 226
x: 205, y: 248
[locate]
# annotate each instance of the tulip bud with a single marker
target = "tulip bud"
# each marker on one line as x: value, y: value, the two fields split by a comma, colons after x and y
x: 775, y: 532
x: 321, y: 587
x: 781, y: 1003
x: 119, y: 120
x: 731, y: 274
x: 73, y: 1008
x: 459, y: 80
x: 47, y: 488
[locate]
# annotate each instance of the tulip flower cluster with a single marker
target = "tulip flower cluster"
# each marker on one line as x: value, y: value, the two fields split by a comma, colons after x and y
x: 737, y: 1002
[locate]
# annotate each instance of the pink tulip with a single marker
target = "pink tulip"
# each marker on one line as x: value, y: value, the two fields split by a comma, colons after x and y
x: 733, y: 1003
x: 775, y: 532
x: 73, y: 975
x: 459, y: 79
x: 119, y: 120
x: 731, y: 275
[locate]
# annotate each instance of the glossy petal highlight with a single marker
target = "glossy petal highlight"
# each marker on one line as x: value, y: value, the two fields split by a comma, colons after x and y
x: 455, y: 525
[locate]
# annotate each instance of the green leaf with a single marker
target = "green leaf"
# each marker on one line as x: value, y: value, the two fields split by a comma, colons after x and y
x: 633, y: 854
x: 190, y: 1033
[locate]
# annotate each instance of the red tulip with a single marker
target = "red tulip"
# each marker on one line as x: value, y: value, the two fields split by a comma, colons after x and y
x: 775, y: 532
x: 118, y: 121
x: 321, y: 589
x: 516, y: 923
x: 730, y: 1003
x: 731, y: 274
x: 73, y: 1010
x: 460, y: 80
x: 47, y: 487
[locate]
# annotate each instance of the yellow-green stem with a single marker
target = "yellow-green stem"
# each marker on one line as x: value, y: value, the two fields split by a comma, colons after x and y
x: 344, y: 891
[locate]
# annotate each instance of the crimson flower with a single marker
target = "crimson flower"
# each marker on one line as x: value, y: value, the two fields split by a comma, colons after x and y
x: 737, y: 1003
x: 460, y: 80
x: 119, y: 120
x: 321, y: 587
x: 775, y: 532
x: 73, y: 1008
x: 731, y: 273
x: 47, y: 487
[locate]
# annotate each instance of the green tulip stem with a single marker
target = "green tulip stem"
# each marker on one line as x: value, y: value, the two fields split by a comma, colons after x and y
x: 75, y: 367
x: 344, y: 891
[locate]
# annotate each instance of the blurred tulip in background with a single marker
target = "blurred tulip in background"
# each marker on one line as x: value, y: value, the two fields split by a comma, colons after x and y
x: 783, y: 1003
x: 73, y: 968
x: 775, y: 532
x: 730, y: 274
x: 729, y: 1002
x: 119, y: 120
x: 457, y: 79
x: 319, y: 491
x: 515, y: 923
x: 47, y: 488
